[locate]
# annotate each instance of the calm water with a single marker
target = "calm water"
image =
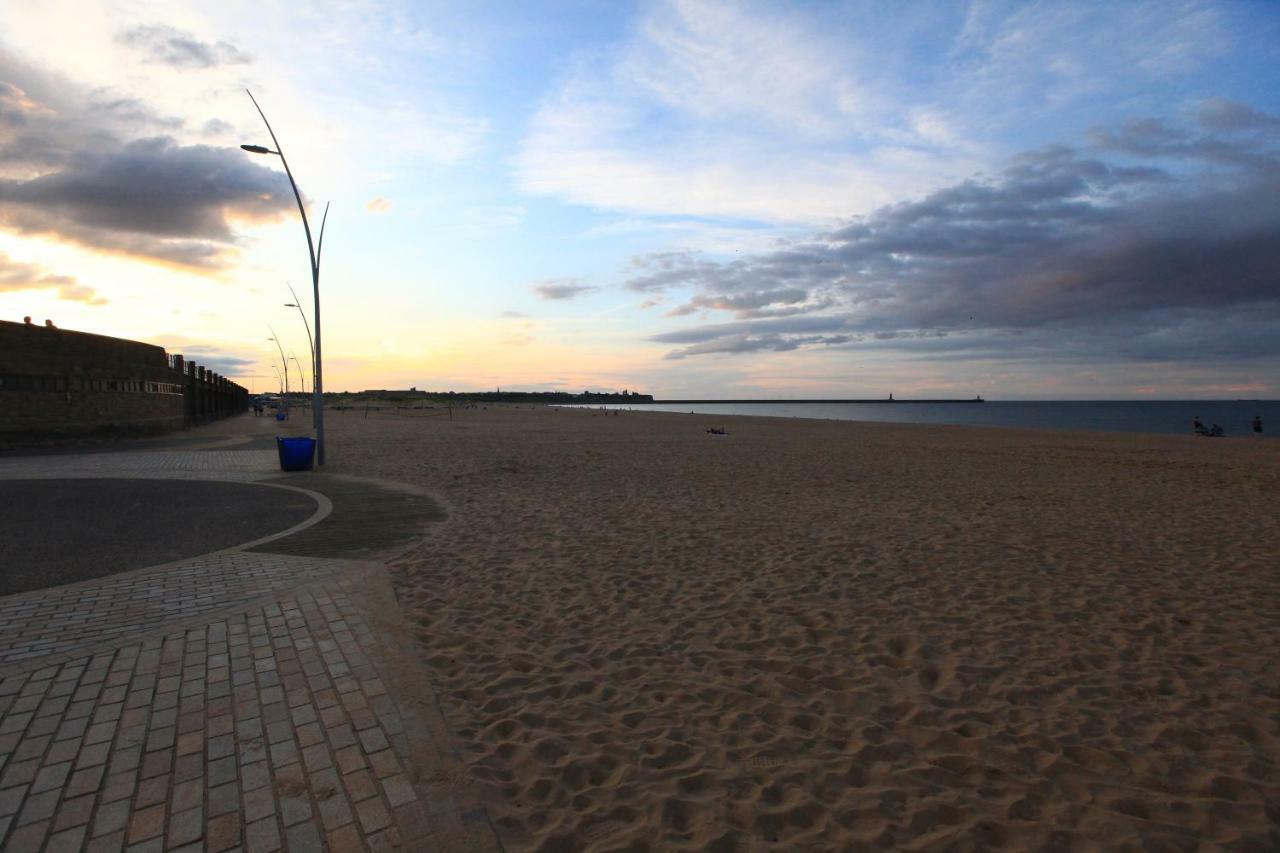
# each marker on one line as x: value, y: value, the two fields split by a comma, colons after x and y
x: 1165, y: 416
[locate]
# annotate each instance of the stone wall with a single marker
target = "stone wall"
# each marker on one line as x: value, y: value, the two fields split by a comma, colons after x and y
x: 55, y: 382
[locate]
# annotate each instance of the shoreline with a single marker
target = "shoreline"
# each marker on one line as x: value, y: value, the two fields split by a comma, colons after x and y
x: 1240, y: 433
x: 801, y: 402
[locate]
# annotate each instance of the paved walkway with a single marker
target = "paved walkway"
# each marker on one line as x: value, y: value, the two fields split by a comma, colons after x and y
x: 60, y: 531
x: 241, y: 700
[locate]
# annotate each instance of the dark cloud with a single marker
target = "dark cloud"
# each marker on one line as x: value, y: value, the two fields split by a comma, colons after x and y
x: 172, y: 191
x: 150, y: 197
x: 660, y: 270
x: 1066, y: 249
x: 566, y: 288
x: 170, y: 46
x: 16, y: 276
x: 1240, y: 335
x: 774, y: 335
x: 224, y: 365
x: 45, y: 118
x: 752, y: 304
x: 34, y: 130
x: 1232, y: 116
x: 789, y: 326
x: 213, y: 358
x: 70, y: 168
x: 216, y: 127
x: 1157, y: 139
x: 740, y: 343
x: 130, y: 113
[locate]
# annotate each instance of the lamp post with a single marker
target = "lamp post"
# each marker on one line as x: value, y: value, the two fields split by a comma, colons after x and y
x: 279, y: 381
x: 301, y: 376
x: 310, y: 343
x: 313, y: 253
x: 285, y: 365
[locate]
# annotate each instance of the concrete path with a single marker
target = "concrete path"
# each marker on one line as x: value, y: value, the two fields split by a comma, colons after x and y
x: 263, y: 697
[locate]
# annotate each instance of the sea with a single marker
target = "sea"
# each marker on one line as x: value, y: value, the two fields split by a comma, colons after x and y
x: 1150, y: 416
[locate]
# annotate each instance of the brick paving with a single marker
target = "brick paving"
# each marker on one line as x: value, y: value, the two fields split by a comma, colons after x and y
x: 61, y: 620
x: 222, y: 720
x: 238, y: 701
x: 268, y: 725
x: 235, y: 465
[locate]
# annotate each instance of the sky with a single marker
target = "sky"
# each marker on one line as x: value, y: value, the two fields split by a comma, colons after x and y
x: 1023, y: 200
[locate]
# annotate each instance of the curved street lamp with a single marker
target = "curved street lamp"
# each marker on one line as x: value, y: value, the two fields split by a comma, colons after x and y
x: 310, y: 343
x: 313, y: 253
x: 283, y: 364
x: 302, y: 378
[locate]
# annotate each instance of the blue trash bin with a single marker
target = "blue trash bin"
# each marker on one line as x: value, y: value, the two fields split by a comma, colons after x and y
x: 279, y: 416
x: 296, y: 452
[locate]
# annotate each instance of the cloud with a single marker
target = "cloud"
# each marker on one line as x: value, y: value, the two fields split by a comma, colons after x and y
x: 765, y: 329
x: 16, y: 276
x: 169, y: 46
x: 750, y: 304
x: 1158, y: 139
x: 216, y: 358
x: 378, y: 205
x: 1222, y: 114
x: 46, y: 119
x: 512, y: 315
x: 151, y: 198
x: 1009, y: 52
x: 130, y: 112
x: 217, y: 127
x: 657, y: 271
x: 223, y: 365
x: 745, y: 343
x: 723, y: 110
x: 1063, y: 251
x: 776, y: 114
x: 70, y: 170
x: 566, y: 288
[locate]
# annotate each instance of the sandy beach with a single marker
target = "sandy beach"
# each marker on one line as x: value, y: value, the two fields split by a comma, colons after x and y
x: 833, y: 635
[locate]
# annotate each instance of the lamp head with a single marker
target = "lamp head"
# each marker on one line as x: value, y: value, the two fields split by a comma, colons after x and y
x: 258, y: 149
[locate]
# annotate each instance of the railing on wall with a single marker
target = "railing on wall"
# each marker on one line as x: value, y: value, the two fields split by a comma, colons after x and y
x: 206, y: 394
x: 59, y: 382
x: 45, y: 382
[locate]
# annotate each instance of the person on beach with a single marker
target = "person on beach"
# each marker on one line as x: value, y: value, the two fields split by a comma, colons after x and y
x: 1257, y: 425
x: 1198, y: 427
x: 1216, y: 430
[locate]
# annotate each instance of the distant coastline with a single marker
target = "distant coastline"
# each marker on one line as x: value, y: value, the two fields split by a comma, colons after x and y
x: 1170, y: 417
x: 977, y: 399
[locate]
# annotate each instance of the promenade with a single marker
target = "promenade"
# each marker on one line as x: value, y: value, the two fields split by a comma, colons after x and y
x: 264, y: 695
